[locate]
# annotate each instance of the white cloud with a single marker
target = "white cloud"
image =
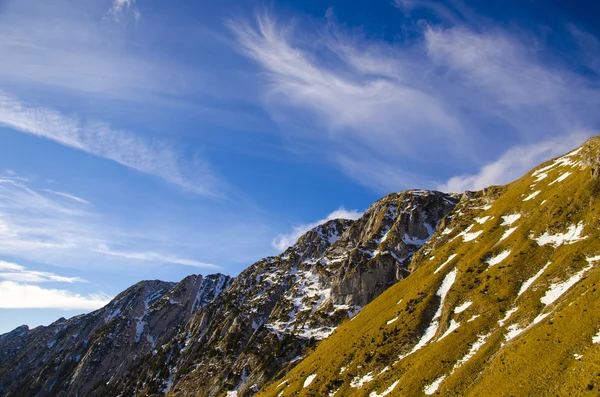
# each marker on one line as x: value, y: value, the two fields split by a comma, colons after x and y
x: 14, y: 295
x: 284, y: 241
x: 152, y: 157
x: 13, y: 272
x: 443, y: 103
x: 513, y: 164
x: 155, y: 257
x: 121, y: 8
x: 69, y: 196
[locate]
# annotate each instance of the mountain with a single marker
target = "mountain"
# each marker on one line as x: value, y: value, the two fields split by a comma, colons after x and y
x: 220, y: 335
x: 503, y: 300
x: 481, y: 294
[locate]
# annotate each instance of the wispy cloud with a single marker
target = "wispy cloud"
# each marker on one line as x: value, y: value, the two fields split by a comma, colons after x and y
x: 14, y: 295
x: 155, y: 257
x: 42, y: 226
x: 150, y: 156
x: 423, y: 104
x: 120, y: 9
x: 284, y: 241
x: 13, y: 272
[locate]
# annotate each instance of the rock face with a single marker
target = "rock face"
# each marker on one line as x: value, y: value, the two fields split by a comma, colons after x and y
x: 215, y: 335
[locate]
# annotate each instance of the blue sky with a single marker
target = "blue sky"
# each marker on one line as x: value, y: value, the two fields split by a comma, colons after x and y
x: 145, y: 139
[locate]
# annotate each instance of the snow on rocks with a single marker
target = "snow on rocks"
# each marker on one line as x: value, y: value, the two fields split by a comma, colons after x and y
x: 309, y: 379
x: 461, y: 308
x: 435, y: 321
x: 532, y: 195
x: 386, y: 391
x: 530, y: 281
x: 498, y: 258
x: 445, y: 263
x: 508, y: 220
x: 359, y: 381
x: 571, y: 236
x: 557, y: 290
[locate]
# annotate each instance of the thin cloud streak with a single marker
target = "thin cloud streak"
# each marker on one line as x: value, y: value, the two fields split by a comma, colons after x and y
x: 151, y: 157
x: 13, y: 272
x: 422, y: 104
x: 156, y: 257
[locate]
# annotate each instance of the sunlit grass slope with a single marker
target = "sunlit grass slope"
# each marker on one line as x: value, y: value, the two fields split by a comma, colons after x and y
x: 504, y: 300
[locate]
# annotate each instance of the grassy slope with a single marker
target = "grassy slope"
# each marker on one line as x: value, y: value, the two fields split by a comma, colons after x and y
x: 539, y: 361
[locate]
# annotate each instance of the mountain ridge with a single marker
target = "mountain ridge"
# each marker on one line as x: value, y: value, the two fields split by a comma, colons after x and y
x: 398, y: 266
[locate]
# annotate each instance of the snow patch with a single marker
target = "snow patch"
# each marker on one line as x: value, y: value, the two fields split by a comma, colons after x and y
x: 386, y: 391
x: 514, y: 331
x: 508, y: 220
x: 432, y: 388
x: 560, y: 178
x: 463, y: 307
x: 444, y: 264
x: 392, y: 320
x: 508, y: 233
x: 482, y: 220
x: 596, y: 338
x: 309, y: 379
x: 498, y: 258
x: 359, y: 382
x: 571, y: 236
x: 451, y: 328
x: 435, y: 321
x: 530, y: 281
x: 532, y: 195
x: 556, y: 290
x: 507, y: 316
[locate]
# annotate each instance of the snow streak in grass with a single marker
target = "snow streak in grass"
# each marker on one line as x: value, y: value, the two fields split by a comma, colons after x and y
x: 309, y: 380
x: 451, y: 328
x: 572, y: 235
x: 532, y: 195
x: 435, y: 321
x: 498, y: 258
x: 392, y: 320
x: 514, y: 331
x: 528, y: 283
x: 508, y: 233
x: 432, y: 388
x: 560, y: 178
x: 445, y: 263
x: 508, y: 220
x: 482, y: 220
x: 557, y: 290
x: 386, y: 391
x: 507, y: 316
x: 359, y: 382
x: 463, y: 307
x: 596, y: 338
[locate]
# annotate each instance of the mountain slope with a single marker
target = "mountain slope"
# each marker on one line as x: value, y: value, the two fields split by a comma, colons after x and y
x: 83, y: 355
x: 503, y: 300
x: 215, y: 335
x: 282, y: 305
